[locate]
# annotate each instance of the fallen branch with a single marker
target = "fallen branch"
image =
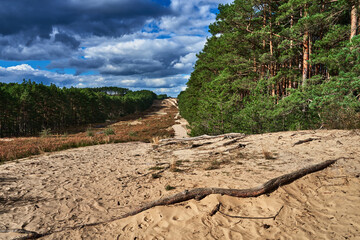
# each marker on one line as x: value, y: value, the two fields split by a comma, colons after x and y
x: 154, y: 172
x: 240, y: 145
x: 196, y: 145
x: 305, y: 141
x: 30, y: 234
x: 199, y: 193
x: 215, y: 210
x: 230, y: 142
x: 267, y: 187
x: 18, y: 231
x: 246, y: 217
x: 234, y: 140
x: 202, y: 137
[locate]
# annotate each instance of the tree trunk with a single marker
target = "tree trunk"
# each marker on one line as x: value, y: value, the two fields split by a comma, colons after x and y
x: 310, y: 47
x: 272, y: 67
x: 264, y: 42
x: 353, y: 21
x: 291, y: 46
x: 305, y: 64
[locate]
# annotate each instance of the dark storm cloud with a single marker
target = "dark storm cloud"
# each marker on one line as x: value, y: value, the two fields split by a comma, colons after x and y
x: 67, y: 40
x: 53, y: 29
x: 20, y: 47
x: 81, y: 65
x: 102, y: 17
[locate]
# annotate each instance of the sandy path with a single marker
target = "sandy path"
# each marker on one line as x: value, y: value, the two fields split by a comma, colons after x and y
x: 180, y: 127
x: 99, y: 183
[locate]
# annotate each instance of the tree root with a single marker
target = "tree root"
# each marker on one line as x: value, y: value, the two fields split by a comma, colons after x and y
x: 199, y: 193
x: 305, y: 141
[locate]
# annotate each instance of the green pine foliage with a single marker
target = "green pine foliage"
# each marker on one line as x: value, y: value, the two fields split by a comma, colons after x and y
x: 28, y: 108
x: 275, y: 65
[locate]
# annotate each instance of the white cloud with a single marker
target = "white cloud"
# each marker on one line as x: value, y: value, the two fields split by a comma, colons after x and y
x: 186, y: 62
x: 22, y: 67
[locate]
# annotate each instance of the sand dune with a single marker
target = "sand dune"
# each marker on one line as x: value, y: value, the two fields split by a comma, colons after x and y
x: 95, y: 184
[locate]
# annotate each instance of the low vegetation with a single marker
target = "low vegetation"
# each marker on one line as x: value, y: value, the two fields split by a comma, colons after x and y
x: 268, y: 155
x: 169, y: 188
x: 152, y: 126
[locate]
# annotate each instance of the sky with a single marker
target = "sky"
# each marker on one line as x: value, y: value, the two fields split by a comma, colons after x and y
x: 136, y: 44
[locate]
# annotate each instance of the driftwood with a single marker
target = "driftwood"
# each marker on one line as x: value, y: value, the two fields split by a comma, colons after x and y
x: 199, y: 193
x: 170, y: 141
x: 305, y: 141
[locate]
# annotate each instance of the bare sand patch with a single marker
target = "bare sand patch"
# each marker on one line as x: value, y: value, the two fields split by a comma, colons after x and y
x: 95, y: 184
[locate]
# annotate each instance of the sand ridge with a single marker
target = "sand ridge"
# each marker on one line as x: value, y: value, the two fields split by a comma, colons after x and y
x: 97, y: 184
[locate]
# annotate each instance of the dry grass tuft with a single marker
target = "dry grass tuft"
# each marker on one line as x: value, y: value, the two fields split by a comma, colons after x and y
x: 213, y: 165
x: 169, y: 188
x: 155, y: 140
x: 173, y: 166
x: 267, y: 155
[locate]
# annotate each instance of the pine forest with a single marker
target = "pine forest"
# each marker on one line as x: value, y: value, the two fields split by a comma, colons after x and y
x: 29, y: 108
x: 276, y: 65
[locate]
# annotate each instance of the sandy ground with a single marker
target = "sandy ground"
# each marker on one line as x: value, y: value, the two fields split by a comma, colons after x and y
x: 180, y: 128
x: 56, y: 191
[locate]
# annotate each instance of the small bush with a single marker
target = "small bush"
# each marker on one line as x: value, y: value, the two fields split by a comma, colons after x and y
x: 214, y: 165
x: 45, y: 132
x: 109, y: 131
x: 155, y: 140
x: 168, y: 188
x: 89, y: 132
x: 155, y: 175
x: 133, y: 134
x: 267, y: 155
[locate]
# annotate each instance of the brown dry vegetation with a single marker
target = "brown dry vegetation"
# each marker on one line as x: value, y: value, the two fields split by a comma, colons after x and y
x: 135, y: 127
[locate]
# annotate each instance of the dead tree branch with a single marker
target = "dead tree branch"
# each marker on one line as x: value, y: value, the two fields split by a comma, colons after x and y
x: 267, y: 187
x: 202, y: 137
x: 305, y: 141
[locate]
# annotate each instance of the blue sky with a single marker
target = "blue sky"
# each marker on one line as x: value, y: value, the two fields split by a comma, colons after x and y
x: 137, y: 44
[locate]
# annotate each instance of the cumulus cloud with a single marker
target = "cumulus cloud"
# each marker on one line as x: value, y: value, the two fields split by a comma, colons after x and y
x: 186, y: 62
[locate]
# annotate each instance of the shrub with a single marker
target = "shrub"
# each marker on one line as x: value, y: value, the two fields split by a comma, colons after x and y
x: 45, y: 132
x: 89, y: 132
x: 109, y: 131
x: 168, y: 188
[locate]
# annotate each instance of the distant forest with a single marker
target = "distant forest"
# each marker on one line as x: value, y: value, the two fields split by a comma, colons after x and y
x: 274, y: 65
x: 28, y: 108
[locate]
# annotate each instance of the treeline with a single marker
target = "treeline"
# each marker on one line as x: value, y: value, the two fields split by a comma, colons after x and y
x: 28, y: 108
x: 273, y: 65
